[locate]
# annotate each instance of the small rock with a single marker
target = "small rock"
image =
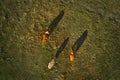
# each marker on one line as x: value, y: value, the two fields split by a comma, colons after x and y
x: 71, y: 1
x: 100, y: 12
x: 89, y: 9
x: 114, y: 17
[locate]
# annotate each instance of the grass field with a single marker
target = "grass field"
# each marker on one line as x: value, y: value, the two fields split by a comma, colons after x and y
x: 23, y: 57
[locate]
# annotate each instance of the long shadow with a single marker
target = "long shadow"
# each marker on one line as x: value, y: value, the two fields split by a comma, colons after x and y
x: 79, y: 41
x: 62, y: 47
x: 55, y: 22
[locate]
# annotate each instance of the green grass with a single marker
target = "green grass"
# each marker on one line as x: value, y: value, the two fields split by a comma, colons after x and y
x: 22, y: 24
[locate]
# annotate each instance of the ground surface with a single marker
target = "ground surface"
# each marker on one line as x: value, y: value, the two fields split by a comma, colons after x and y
x: 23, y: 22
